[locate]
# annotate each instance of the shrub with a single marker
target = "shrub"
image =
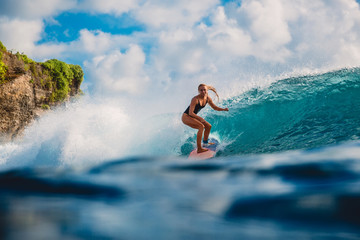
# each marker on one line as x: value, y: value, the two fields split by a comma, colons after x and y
x: 78, y: 74
x: 2, y: 47
x: 45, y: 107
x: 62, y: 75
x: 33, y: 69
x: 3, y: 70
x: 24, y: 58
x: 29, y: 63
x: 26, y: 68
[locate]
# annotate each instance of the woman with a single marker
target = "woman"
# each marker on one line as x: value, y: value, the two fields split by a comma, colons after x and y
x: 191, y: 118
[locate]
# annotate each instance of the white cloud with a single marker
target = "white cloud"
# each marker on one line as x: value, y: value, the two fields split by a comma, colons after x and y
x: 319, y: 33
x: 118, y: 72
x: 178, y: 13
x: 324, y: 31
x: 22, y: 23
x: 108, y: 6
x: 268, y: 28
x: 47, y: 51
x: 96, y: 42
x: 176, y: 36
x: 263, y: 35
x: 226, y: 36
x: 348, y: 55
x: 348, y: 32
x: 34, y: 9
x: 179, y: 51
x: 268, y: 24
x: 19, y: 34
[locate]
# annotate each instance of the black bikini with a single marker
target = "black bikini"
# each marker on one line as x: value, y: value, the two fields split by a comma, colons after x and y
x: 198, y: 107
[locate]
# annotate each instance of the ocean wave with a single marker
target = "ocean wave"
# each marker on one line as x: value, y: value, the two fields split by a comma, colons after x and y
x: 294, y: 113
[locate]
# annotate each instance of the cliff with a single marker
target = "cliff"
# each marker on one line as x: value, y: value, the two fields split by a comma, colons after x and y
x: 29, y: 88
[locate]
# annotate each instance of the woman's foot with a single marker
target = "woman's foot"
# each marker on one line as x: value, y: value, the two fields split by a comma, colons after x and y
x: 200, y: 150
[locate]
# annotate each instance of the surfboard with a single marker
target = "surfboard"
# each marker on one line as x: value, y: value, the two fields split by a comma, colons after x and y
x: 209, y: 153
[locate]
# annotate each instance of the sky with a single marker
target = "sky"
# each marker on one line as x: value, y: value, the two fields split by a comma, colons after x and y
x: 163, y: 49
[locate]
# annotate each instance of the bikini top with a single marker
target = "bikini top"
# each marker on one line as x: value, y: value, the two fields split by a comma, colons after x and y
x: 198, y: 107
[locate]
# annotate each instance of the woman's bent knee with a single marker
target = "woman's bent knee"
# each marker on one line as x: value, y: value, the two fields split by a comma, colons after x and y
x: 208, y: 125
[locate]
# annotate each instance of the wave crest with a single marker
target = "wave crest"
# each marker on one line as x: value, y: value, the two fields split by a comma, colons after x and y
x: 294, y: 113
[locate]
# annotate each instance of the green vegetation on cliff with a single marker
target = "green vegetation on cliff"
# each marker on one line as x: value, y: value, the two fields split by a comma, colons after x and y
x: 2, y: 47
x: 28, y: 63
x: 63, y: 76
x: 3, y: 70
x: 3, y: 67
x: 24, y: 58
x: 57, y: 77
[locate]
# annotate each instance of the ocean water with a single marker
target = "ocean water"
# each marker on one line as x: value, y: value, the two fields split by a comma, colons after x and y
x: 288, y: 167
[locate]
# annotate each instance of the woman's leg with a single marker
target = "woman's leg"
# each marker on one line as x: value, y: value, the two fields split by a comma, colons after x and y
x: 194, y: 123
x: 207, y: 130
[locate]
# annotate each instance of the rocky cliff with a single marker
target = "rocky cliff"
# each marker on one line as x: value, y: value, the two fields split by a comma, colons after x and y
x: 29, y: 88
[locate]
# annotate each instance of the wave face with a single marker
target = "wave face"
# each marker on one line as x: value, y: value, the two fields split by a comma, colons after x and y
x: 294, y: 113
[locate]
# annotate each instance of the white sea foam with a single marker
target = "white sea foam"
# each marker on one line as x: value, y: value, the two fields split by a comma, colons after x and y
x: 89, y: 132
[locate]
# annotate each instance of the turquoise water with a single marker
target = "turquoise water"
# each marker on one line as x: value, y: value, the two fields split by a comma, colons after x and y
x: 294, y: 113
x: 288, y: 167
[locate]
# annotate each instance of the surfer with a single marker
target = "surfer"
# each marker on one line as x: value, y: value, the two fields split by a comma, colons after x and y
x: 191, y: 118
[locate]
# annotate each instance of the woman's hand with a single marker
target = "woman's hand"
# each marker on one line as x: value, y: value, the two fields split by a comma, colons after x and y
x: 225, y: 109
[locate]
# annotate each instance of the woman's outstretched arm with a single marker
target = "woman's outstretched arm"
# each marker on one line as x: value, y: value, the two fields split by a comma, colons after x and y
x: 212, y: 104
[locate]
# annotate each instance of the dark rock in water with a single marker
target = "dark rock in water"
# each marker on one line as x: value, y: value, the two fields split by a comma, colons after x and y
x: 29, y: 88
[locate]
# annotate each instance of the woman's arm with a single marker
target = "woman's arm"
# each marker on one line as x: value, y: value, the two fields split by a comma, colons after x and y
x: 211, y: 103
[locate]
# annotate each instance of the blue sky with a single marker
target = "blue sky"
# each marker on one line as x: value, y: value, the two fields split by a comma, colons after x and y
x: 67, y: 26
x: 163, y: 44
